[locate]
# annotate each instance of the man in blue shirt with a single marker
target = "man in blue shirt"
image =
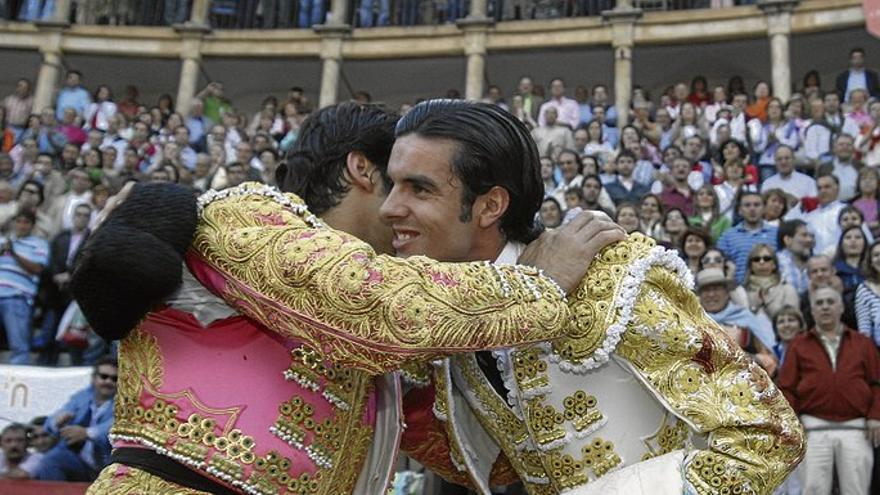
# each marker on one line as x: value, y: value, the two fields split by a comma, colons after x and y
x: 738, y: 241
x: 83, y: 428
x: 22, y: 257
x: 72, y: 95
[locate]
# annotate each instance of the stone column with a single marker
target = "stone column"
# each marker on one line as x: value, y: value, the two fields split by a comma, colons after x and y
x: 50, y: 49
x: 622, y: 19
x: 199, y: 13
x: 191, y: 34
x: 778, y: 14
x: 475, y: 28
x: 333, y: 33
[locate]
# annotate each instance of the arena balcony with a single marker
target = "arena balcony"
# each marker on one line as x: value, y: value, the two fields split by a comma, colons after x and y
x: 403, y: 49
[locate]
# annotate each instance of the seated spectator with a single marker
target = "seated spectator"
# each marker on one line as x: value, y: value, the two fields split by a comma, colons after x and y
x: 850, y: 216
x: 22, y: 257
x: 778, y: 131
x: 868, y: 142
x: 550, y: 214
x: 788, y: 324
x: 714, y: 258
x: 707, y: 214
x: 672, y: 228
x: 83, y: 426
x: 41, y: 440
x: 787, y: 178
x: 753, y: 334
x: 795, y: 246
x: 596, y: 144
x: 738, y: 241
x: 650, y: 214
x: 844, y: 166
x: 775, y: 206
x: 694, y: 244
x: 868, y: 296
x: 867, y: 200
x: 829, y: 377
x: 627, y: 216
x: 848, y: 260
x: 733, y: 187
x: 624, y: 188
x: 552, y: 134
x: 816, y: 136
x: 573, y: 197
x: 820, y: 269
x: 570, y: 168
x: 592, y: 193
x: 768, y: 292
x: 15, y: 461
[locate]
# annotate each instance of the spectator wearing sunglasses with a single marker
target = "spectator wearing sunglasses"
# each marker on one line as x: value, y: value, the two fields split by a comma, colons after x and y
x: 82, y: 427
x: 768, y: 292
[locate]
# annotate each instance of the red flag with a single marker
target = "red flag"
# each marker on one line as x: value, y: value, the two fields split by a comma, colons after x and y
x: 871, y: 9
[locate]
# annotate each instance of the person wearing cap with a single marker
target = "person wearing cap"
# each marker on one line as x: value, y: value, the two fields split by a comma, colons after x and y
x: 751, y: 332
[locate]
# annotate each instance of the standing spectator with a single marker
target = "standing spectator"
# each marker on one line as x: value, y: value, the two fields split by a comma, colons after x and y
x: 867, y: 200
x: 609, y: 112
x: 129, y: 105
x: 568, y: 109
x: 868, y: 296
x: 624, y: 188
x: 679, y: 194
x: 552, y: 134
x: 80, y: 192
x: 848, y: 264
x: 795, y: 245
x: 365, y: 11
x: 719, y: 101
x: 23, y: 258
x: 83, y: 425
x: 531, y: 102
x: 738, y: 241
x: 49, y: 137
x: 72, y: 95
x: 19, y: 106
x: 829, y: 377
x: 758, y: 107
x: 609, y: 133
x: 787, y: 178
x: 214, y: 102
x: 99, y: 113
x: 823, y: 220
x: 845, y: 167
x: 858, y: 112
x: 767, y: 290
x: 15, y: 461
x: 72, y: 131
x: 699, y: 95
x: 198, y: 125
x: 818, y: 135
x: 857, y: 76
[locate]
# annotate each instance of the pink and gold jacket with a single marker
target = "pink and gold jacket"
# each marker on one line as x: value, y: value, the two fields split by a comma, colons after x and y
x: 271, y: 370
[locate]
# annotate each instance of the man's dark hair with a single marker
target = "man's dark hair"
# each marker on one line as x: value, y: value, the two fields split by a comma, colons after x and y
x: 105, y: 361
x: 74, y: 71
x: 577, y: 158
x: 492, y: 149
x: 13, y: 427
x: 27, y: 214
x: 787, y: 229
x: 35, y: 183
x: 857, y: 49
x: 626, y: 153
x: 315, y: 167
x: 827, y: 170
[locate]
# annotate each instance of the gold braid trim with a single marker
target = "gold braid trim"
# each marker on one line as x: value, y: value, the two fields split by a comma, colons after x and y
x: 370, y: 312
x: 133, y: 481
x: 685, y: 358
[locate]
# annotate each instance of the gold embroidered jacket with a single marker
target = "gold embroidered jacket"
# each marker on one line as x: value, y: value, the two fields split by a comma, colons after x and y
x: 642, y: 373
x: 286, y: 400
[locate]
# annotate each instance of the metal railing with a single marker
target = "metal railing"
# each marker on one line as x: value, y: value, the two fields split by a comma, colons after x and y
x: 287, y: 14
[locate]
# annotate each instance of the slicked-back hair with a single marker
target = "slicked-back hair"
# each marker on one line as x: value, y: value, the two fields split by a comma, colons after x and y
x: 492, y: 149
x: 315, y: 168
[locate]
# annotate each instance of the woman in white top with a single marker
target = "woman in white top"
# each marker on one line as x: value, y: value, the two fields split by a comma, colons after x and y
x: 596, y: 144
x: 98, y: 114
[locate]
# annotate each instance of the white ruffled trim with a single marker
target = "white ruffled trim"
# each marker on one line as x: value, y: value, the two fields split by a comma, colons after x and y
x: 261, y: 190
x: 555, y: 444
x: 590, y: 429
x: 624, y: 304
x: 536, y: 480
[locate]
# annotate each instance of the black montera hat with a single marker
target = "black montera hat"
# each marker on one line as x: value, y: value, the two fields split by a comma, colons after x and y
x: 134, y: 261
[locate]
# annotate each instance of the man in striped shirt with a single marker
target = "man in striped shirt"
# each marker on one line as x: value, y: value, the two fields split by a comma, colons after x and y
x: 738, y: 241
x: 22, y: 257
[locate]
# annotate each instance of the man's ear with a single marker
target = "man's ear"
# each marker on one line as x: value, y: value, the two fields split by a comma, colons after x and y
x: 360, y: 171
x: 491, y: 206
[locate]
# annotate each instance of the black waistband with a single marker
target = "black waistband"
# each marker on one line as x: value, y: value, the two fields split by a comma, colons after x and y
x: 167, y: 469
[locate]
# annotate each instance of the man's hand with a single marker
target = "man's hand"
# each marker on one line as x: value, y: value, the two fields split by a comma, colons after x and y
x: 566, y: 252
x: 61, y: 279
x: 873, y: 432
x: 63, y: 419
x: 74, y: 435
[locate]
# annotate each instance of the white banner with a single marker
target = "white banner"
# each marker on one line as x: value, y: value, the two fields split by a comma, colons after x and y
x: 30, y: 391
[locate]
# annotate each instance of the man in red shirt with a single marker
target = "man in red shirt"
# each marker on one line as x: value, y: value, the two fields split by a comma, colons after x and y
x: 831, y: 377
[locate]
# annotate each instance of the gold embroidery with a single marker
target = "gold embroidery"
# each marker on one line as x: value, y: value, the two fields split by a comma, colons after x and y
x: 529, y: 370
x: 668, y: 438
x: 600, y: 456
x: 546, y: 424
x: 117, y: 479
x: 581, y: 410
x: 373, y: 313
x: 565, y: 471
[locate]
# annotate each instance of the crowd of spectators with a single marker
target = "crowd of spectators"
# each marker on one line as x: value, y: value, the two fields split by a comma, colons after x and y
x: 272, y: 14
x: 773, y: 205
